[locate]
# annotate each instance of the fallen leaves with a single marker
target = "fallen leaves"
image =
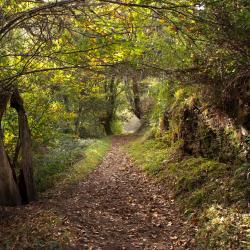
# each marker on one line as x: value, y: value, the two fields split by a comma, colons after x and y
x: 116, y: 207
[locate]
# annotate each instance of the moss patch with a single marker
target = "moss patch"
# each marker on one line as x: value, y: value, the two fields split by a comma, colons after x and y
x: 151, y: 154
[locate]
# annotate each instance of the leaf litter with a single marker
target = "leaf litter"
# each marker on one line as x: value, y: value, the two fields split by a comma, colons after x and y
x: 116, y: 207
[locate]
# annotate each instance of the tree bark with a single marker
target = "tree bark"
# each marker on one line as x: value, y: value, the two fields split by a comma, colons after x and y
x: 110, y: 90
x: 26, y: 181
x: 137, y: 99
x: 133, y: 95
x: 9, y: 193
x: 107, y: 125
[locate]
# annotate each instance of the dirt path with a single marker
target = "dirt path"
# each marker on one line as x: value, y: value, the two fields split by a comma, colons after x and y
x: 116, y: 207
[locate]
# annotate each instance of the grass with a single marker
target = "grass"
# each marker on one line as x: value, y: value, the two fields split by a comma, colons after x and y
x: 152, y: 154
x: 207, y: 189
x: 93, y: 156
x: 68, y: 160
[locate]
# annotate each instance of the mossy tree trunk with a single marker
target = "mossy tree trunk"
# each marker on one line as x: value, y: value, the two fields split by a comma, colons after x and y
x: 26, y: 180
x: 9, y: 193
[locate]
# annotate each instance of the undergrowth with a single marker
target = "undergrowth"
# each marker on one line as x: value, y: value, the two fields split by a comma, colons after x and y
x: 217, y: 194
x: 67, y: 160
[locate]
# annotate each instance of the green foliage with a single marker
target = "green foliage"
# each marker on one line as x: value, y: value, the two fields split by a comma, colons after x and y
x: 148, y: 154
x: 190, y: 174
x: 69, y: 158
x: 93, y: 156
x: 152, y: 154
x: 116, y: 127
x: 224, y: 228
x: 163, y: 92
x: 202, y: 182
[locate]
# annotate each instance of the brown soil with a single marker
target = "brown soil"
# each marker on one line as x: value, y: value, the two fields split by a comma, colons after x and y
x: 115, y: 207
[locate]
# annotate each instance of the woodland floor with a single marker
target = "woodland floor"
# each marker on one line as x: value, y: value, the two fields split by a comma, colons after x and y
x: 115, y: 207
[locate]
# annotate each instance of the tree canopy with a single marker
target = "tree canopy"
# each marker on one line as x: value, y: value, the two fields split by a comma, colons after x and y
x: 82, y: 67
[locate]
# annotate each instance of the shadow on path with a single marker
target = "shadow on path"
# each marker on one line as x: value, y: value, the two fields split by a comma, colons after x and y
x: 115, y: 207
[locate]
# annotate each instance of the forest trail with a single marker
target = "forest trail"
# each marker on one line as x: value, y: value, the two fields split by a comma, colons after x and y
x: 115, y: 207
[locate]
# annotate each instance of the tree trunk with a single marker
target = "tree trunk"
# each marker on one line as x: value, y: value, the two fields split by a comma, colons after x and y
x: 111, y: 93
x: 137, y: 100
x: 107, y: 125
x: 26, y: 181
x: 132, y: 91
x: 9, y: 194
